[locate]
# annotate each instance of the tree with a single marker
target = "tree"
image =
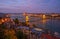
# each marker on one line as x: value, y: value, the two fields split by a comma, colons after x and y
x: 24, y: 24
x: 2, y: 27
x: 20, y: 35
x: 16, y: 21
x: 10, y: 34
x: 1, y: 34
x: 34, y: 25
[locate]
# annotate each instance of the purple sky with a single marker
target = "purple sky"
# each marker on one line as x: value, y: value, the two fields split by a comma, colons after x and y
x: 35, y: 6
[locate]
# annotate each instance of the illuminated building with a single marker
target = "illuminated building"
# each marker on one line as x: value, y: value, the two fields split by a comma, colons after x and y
x: 44, y: 16
x: 27, y: 18
x: 3, y: 18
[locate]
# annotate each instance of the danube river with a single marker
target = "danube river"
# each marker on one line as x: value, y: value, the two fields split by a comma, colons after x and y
x: 51, y: 24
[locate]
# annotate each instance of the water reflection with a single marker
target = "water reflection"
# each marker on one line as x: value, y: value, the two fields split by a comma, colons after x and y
x: 51, y: 24
x: 43, y: 16
x: 44, y: 23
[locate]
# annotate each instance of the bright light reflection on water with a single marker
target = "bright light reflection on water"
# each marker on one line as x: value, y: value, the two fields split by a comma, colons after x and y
x: 51, y: 24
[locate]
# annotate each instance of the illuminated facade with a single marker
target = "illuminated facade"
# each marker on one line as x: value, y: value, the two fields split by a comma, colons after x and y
x: 44, y: 16
x: 3, y: 18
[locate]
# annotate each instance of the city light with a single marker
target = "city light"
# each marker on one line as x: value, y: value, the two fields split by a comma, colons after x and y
x: 54, y: 14
x: 44, y: 16
x: 27, y: 18
x: 2, y: 20
x: 5, y: 19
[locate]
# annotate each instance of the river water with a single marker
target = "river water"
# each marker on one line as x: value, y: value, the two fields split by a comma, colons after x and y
x: 51, y: 24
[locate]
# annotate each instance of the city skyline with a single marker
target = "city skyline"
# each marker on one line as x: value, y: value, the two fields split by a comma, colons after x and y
x: 30, y: 6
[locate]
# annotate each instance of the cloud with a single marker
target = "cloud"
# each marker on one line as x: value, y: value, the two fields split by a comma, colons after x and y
x: 30, y: 5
